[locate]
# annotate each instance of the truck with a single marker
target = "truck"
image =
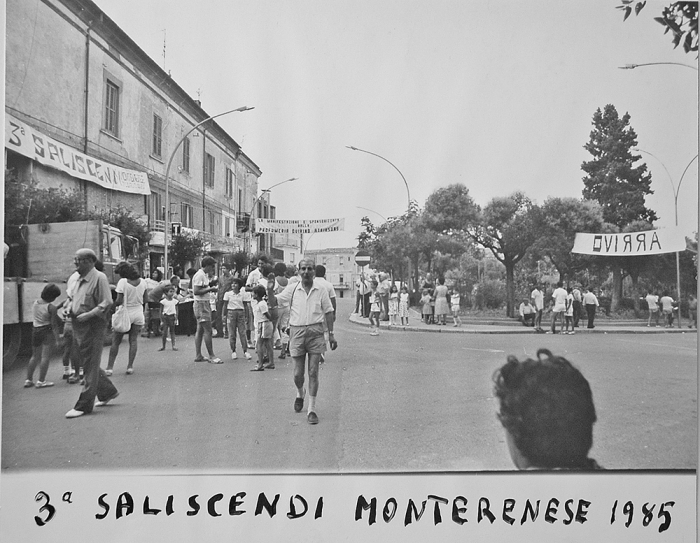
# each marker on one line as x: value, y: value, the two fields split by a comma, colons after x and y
x: 43, y: 253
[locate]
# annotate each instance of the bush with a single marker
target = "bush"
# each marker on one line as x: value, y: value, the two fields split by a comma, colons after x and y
x: 627, y: 303
x: 490, y: 294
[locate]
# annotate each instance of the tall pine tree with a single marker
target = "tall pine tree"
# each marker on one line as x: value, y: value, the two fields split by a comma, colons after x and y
x: 613, y: 181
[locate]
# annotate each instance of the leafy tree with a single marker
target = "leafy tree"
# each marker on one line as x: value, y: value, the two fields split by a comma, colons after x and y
x: 507, y: 229
x: 451, y: 209
x: 184, y: 248
x: 238, y: 261
x: 27, y: 203
x: 136, y: 233
x: 558, y: 222
x: 678, y: 18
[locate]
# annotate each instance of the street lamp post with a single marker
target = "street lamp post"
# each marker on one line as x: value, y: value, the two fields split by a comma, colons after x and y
x: 633, y: 66
x: 255, y: 203
x: 408, y: 191
x: 167, y: 179
x: 675, y: 189
x: 367, y: 209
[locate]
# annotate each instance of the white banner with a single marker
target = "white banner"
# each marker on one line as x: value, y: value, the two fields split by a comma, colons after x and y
x: 649, y: 242
x: 303, y: 226
x: 27, y: 141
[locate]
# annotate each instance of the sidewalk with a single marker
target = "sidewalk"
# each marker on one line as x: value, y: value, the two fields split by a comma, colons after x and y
x: 511, y: 326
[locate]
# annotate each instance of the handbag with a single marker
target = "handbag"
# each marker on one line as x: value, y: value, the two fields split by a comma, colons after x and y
x: 121, y: 323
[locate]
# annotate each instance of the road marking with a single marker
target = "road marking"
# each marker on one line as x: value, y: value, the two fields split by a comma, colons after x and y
x: 665, y: 345
x: 483, y: 350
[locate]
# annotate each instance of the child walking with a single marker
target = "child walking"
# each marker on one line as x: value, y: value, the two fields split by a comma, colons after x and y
x: 168, y: 317
x: 403, y: 305
x: 263, y: 330
x: 569, y: 313
x: 393, y: 304
x: 42, y: 337
x: 454, y: 301
x: 374, y: 310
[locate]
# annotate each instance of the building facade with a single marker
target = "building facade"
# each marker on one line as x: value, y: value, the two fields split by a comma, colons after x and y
x: 76, y: 79
x: 341, y: 269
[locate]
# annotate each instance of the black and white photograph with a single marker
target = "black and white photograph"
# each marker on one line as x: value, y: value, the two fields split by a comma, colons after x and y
x: 363, y: 271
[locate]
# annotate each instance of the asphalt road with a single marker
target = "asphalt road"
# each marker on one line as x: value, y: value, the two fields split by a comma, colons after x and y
x: 401, y: 401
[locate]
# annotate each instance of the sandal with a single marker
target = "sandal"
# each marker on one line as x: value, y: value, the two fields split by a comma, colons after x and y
x: 200, y: 359
x: 215, y: 360
x: 258, y: 368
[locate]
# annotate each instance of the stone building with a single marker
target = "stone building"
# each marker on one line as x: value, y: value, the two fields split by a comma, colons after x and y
x: 105, y: 118
x: 341, y: 269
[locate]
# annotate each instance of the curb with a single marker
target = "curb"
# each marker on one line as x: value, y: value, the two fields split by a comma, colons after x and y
x: 523, y: 330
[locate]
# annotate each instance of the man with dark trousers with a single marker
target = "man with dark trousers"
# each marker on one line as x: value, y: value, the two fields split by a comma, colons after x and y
x: 89, y: 304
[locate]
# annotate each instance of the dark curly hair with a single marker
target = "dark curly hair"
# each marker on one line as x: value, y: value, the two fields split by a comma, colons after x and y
x: 547, y: 407
x: 124, y: 269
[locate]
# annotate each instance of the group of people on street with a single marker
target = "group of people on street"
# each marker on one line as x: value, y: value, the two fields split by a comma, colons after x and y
x: 297, y: 312
x: 567, y: 306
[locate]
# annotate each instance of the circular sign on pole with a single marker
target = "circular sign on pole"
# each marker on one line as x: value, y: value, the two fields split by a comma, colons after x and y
x: 362, y: 258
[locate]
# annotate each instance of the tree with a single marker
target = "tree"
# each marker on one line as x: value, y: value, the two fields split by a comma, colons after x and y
x: 612, y: 181
x: 451, y: 209
x: 238, y: 261
x: 27, y: 203
x: 679, y: 18
x: 557, y: 224
x: 184, y: 248
x: 507, y: 229
x: 136, y: 232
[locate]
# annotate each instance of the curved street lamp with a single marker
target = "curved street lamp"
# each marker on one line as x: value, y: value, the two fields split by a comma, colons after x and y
x: 255, y: 203
x: 408, y: 191
x: 676, y: 189
x: 372, y: 210
x: 633, y: 66
x: 167, y: 179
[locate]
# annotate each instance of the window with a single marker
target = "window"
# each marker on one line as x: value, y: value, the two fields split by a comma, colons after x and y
x: 227, y: 225
x: 229, y: 183
x: 341, y: 279
x: 186, y: 215
x: 111, y: 118
x: 186, y: 155
x: 240, y: 200
x: 209, y: 167
x: 157, y: 147
x: 212, y: 224
x: 157, y: 211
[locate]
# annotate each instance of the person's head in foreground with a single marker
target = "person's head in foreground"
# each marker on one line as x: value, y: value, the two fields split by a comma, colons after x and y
x: 547, y: 412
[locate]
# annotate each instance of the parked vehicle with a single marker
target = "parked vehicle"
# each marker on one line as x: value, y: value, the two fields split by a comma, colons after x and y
x: 43, y: 253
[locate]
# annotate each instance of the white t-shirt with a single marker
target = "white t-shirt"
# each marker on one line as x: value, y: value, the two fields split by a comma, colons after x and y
x: 169, y: 306
x: 233, y: 300
x: 259, y: 310
x: 133, y: 299
x: 201, y: 279
x: 652, y: 301
x: 538, y: 298
x: 559, y: 295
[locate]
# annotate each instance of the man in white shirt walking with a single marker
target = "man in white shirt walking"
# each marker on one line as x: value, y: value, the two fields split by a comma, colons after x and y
x: 559, y: 296
x: 309, y: 307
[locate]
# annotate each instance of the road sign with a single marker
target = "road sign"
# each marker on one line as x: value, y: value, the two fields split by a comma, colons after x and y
x: 175, y: 228
x: 362, y: 258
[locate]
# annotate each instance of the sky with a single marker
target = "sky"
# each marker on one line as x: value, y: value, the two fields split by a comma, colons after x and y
x: 498, y: 96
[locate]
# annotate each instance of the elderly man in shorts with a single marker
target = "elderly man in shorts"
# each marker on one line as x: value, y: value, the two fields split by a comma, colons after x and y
x: 202, y: 310
x: 309, y: 307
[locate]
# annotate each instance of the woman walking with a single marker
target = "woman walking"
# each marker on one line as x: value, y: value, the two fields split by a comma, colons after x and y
x: 442, y: 306
x: 130, y: 291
